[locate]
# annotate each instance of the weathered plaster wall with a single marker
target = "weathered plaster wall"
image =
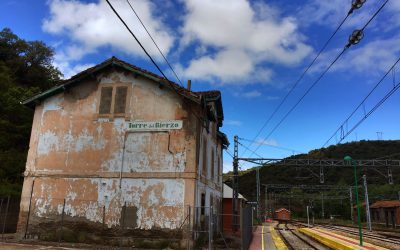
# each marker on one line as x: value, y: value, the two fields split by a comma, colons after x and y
x: 158, y: 203
x: 93, y: 161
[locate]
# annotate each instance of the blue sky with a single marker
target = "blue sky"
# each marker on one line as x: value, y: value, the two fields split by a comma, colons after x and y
x: 252, y: 51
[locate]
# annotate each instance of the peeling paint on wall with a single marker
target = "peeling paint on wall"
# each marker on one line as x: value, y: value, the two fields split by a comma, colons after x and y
x: 99, y: 167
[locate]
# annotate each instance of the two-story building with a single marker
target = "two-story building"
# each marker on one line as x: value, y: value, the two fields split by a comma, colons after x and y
x: 116, y: 143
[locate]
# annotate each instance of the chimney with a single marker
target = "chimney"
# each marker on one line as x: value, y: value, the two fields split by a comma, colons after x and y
x: 189, y: 84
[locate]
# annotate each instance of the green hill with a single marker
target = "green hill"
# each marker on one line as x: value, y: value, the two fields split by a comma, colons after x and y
x: 378, y: 186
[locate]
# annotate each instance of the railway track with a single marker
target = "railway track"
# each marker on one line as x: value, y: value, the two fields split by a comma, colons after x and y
x: 366, y: 234
x: 373, y: 236
x: 295, y: 240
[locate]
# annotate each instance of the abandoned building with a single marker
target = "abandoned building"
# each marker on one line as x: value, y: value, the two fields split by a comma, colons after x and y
x: 118, y: 144
x: 386, y: 212
x: 227, y: 209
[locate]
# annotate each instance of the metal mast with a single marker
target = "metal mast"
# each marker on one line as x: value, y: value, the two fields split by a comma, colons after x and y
x: 235, y: 195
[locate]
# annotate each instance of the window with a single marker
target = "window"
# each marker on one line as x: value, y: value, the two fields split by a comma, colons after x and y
x: 113, y: 99
x: 204, y: 156
x: 105, y: 100
x: 212, y: 164
x: 203, y: 203
x: 120, y: 100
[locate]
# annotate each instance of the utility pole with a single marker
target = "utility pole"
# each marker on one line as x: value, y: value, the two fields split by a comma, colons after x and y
x: 379, y: 135
x: 367, y: 203
x: 351, y: 205
x: 322, y: 203
x: 266, y: 202
x: 258, y: 191
x: 308, y: 218
x: 235, y: 194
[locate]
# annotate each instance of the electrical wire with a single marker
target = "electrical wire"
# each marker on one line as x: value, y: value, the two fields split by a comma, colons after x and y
x: 250, y: 150
x: 269, y: 145
x: 151, y: 59
x: 323, y: 73
x: 300, y: 78
x: 159, y: 50
x: 361, y: 104
x: 137, y: 40
x: 382, y: 101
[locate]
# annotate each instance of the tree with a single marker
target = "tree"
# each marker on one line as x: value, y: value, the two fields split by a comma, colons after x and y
x: 25, y: 70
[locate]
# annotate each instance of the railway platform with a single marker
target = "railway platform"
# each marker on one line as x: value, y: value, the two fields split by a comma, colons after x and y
x: 337, y: 241
x: 263, y: 238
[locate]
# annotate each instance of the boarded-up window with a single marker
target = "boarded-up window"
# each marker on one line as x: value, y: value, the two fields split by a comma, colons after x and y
x: 203, y: 203
x: 128, y: 217
x: 105, y: 100
x: 120, y: 100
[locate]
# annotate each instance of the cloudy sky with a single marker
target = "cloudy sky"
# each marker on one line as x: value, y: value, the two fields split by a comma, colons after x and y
x: 252, y: 51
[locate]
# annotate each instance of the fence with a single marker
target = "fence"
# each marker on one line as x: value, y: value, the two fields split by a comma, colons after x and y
x: 246, y: 222
x: 9, y: 211
x: 121, y: 224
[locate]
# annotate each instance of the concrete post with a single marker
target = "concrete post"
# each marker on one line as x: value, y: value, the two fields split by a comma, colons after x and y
x: 367, y: 203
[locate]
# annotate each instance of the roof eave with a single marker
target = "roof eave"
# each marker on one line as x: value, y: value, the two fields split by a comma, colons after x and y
x: 111, y: 62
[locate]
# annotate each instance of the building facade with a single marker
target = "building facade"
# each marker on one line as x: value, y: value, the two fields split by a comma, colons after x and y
x: 386, y: 212
x: 118, y: 144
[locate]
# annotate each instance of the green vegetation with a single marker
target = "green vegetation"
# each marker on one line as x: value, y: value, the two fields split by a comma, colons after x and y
x: 25, y: 70
x: 378, y: 187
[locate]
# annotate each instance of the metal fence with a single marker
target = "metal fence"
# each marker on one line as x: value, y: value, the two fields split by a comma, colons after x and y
x: 94, y: 222
x: 9, y: 211
x: 106, y: 223
x: 246, y: 223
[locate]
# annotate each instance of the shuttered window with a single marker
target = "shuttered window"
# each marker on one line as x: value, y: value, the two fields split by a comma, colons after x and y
x: 105, y: 100
x: 113, y: 100
x: 120, y: 100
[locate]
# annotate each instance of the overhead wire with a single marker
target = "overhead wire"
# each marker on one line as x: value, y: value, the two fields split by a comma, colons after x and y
x: 149, y: 56
x: 355, y: 33
x: 377, y: 105
x: 270, y: 145
x: 249, y: 149
x: 360, y: 105
x: 301, y: 77
x: 158, y: 48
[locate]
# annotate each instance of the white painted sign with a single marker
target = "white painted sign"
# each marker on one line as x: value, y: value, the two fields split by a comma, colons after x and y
x: 153, y: 125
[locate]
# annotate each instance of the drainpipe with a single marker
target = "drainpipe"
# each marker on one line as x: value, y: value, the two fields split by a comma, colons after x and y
x: 122, y: 163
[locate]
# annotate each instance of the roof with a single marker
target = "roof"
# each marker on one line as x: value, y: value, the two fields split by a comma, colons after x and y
x: 380, y: 204
x: 281, y: 209
x: 228, y: 193
x: 224, y: 138
x: 197, y: 97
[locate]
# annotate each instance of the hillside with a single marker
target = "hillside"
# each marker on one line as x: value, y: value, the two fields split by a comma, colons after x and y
x: 333, y: 176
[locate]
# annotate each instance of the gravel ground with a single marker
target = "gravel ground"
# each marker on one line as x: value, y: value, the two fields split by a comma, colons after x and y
x: 18, y: 246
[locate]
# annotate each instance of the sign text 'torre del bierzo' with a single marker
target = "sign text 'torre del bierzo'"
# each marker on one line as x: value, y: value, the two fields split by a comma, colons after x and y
x: 153, y: 125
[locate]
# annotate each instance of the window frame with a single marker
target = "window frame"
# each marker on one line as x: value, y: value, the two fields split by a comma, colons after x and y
x: 114, y: 87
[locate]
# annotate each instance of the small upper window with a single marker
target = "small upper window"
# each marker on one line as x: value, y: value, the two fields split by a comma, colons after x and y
x: 120, y: 100
x: 113, y: 100
x: 105, y: 100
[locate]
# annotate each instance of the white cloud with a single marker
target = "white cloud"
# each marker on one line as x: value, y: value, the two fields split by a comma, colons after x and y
x: 68, y: 70
x: 243, y: 38
x: 91, y: 26
x: 330, y: 13
x: 233, y: 123
x: 372, y: 58
x: 252, y: 94
x: 269, y: 142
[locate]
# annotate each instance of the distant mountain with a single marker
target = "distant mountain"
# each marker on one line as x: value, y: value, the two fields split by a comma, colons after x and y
x: 333, y: 176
